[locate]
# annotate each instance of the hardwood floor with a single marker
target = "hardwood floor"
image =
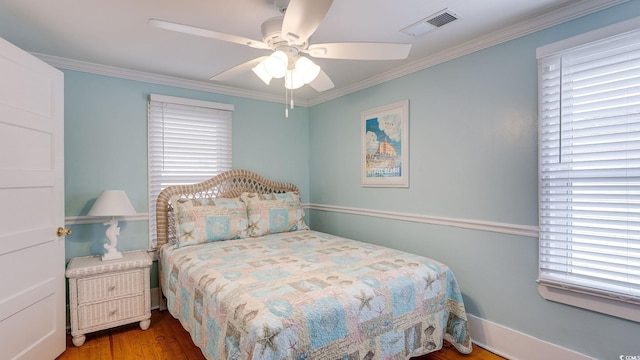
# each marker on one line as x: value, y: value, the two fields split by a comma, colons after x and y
x: 166, y: 339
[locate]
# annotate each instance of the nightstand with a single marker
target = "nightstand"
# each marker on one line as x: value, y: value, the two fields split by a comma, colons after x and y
x: 105, y: 294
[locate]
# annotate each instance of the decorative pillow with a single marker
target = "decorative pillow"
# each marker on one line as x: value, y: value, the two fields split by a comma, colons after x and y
x: 274, y: 213
x: 204, y: 220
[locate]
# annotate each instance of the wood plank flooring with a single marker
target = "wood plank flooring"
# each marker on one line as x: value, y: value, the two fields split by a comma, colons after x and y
x: 166, y: 339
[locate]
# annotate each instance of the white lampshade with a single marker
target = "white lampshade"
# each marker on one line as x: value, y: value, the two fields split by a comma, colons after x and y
x: 261, y: 71
x: 296, y: 70
x: 276, y: 64
x: 112, y: 203
x: 293, y: 79
x: 307, y: 69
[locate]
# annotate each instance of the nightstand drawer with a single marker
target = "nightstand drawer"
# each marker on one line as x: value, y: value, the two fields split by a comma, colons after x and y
x: 110, y: 311
x: 110, y: 286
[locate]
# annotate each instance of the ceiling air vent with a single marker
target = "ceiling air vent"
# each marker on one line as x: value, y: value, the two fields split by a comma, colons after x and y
x: 432, y: 22
x: 442, y: 18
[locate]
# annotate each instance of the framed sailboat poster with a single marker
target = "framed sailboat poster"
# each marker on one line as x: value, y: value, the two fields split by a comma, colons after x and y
x: 385, y: 146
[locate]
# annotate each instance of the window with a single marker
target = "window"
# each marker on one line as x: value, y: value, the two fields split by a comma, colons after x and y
x: 589, y: 171
x: 189, y: 141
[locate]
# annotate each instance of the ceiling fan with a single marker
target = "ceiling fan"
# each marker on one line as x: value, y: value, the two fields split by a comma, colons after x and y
x: 288, y: 38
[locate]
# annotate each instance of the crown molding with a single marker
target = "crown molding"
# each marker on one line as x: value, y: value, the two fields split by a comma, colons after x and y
x: 117, y: 72
x: 541, y: 22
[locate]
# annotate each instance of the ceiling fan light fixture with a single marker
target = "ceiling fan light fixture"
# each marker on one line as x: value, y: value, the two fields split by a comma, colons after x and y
x: 288, y: 36
x: 261, y: 71
x: 276, y: 64
x: 293, y: 79
x: 307, y: 69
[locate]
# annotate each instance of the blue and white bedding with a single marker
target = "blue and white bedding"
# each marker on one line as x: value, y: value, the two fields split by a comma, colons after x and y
x: 310, y: 295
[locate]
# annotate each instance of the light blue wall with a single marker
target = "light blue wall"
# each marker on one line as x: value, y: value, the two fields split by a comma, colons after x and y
x: 473, y: 155
x: 106, y: 148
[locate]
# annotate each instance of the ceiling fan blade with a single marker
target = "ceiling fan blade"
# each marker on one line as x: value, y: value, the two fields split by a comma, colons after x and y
x: 192, y: 30
x: 237, y: 70
x: 322, y: 82
x: 302, y: 18
x: 360, y: 51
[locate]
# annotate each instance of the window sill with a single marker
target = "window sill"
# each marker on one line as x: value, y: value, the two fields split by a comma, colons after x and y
x: 601, y: 304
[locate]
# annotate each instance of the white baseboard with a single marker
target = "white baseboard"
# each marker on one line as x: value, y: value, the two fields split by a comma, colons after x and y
x: 515, y: 345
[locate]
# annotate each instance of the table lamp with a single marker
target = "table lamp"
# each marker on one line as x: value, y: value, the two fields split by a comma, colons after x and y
x: 112, y: 203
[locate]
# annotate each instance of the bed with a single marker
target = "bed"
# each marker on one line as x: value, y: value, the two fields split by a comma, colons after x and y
x: 248, y: 279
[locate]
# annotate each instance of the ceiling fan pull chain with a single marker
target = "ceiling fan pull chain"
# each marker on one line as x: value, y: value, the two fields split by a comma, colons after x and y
x: 286, y: 108
x: 291, y: 99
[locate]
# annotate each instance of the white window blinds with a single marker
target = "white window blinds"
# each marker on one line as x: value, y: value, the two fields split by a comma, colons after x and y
x: 589, y: 169
x: 189, y: 141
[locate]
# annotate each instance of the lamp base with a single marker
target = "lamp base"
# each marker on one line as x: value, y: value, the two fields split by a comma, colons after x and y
x: 112, y: 235
x: 112, y: 255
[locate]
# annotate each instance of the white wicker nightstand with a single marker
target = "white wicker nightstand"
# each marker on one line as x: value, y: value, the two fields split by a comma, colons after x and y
x: 105, y: 294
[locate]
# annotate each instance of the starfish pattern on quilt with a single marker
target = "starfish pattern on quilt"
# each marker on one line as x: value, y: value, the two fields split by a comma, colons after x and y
x: 364, y: 300
x: 267, y: 338
x: 429, y: 281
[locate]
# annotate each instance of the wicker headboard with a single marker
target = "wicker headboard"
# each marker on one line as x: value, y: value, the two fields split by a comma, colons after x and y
x: 228, y: 184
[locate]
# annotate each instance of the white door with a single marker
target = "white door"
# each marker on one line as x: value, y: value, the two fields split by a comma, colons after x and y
x: 32, y: 262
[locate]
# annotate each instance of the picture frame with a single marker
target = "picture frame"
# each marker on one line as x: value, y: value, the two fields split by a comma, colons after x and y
x: 385, y: 146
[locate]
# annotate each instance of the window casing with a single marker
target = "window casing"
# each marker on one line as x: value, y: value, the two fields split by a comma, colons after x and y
x: 188, y: 141
x: 589, y: 171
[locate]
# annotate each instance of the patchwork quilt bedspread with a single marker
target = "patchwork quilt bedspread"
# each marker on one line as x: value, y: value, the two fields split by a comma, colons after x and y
x: 310, y: 295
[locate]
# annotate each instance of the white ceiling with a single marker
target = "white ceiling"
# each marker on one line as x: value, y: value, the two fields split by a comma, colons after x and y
x: 115, y: 33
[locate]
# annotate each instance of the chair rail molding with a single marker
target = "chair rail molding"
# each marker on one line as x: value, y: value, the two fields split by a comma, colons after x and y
x: 80, y: 220
x: 504, y: 228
